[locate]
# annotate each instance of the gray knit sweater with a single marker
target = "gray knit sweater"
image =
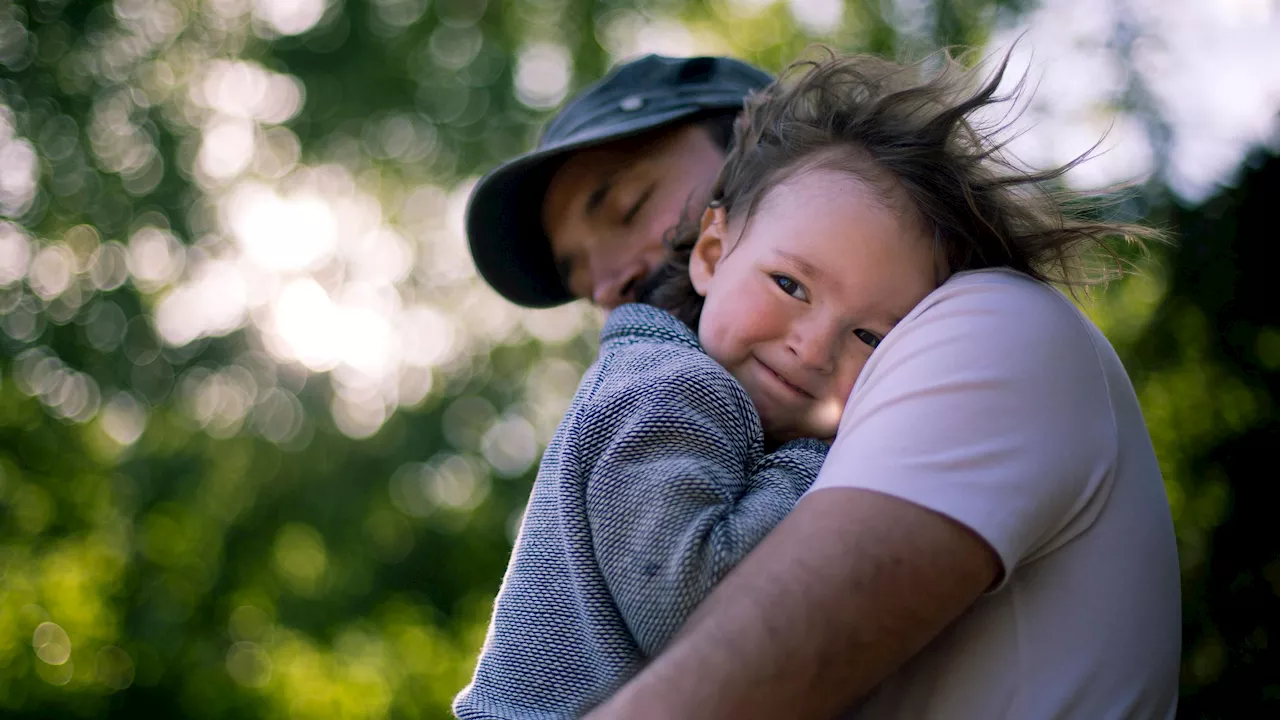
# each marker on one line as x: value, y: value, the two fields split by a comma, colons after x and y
x: 655, y: 485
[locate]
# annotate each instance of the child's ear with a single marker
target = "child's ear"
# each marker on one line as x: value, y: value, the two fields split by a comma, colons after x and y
x: 710, y: 247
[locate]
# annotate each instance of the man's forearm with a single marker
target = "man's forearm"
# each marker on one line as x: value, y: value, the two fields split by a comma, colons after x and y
x: 844, y: 591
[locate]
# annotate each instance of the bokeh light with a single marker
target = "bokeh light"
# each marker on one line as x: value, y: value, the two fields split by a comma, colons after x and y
x: 1182, y: 89
x: 267, y: 437
x: 19, y: 166
x: 15, y: 253
x: 542, y: 75
x: 289, y: 17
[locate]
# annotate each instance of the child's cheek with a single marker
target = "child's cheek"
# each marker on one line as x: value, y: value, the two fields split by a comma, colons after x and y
x: 709, y: 333
x: 715, y: 333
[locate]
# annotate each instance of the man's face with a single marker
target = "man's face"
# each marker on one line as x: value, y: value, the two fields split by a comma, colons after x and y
x: 608, y: 208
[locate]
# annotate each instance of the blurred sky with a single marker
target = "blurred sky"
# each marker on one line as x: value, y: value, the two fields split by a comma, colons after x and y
x: 371, y: 281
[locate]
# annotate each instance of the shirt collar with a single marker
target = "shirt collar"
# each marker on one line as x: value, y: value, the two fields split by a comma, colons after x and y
x: 636, y: 322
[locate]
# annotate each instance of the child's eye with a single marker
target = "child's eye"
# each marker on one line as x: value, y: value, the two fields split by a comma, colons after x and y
x: 871, y: 339
x: 789, y: 286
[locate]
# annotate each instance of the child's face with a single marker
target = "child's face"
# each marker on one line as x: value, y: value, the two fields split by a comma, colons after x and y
x: 795, y: 304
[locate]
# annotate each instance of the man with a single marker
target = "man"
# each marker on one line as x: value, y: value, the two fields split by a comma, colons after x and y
x: 989, y: 536
x: 583, y: 216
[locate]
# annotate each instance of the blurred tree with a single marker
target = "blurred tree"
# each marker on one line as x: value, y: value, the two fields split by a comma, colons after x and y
x: 1210, y: 364
x: 265, y: 438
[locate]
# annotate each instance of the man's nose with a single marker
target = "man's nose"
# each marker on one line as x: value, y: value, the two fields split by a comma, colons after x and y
x: 616, y: 286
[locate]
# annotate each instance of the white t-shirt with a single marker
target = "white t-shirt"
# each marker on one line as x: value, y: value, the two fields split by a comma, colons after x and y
x: 998, y: 404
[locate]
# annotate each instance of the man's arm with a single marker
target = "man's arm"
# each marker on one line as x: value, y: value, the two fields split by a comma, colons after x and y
x: 979, y: 433
x: 849, y: 586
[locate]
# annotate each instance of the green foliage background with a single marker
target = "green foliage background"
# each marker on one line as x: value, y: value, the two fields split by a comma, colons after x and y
x: 207, y: 530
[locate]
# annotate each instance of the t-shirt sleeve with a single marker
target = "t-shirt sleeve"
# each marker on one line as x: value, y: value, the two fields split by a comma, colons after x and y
x: 675, y: 500
x: 988, y: 405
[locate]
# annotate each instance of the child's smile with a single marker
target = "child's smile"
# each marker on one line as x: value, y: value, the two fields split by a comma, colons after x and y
x: 798, y: 294
x: 787, y: 385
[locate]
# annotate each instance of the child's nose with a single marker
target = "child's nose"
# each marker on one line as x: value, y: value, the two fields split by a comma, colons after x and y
x: 814, y: 345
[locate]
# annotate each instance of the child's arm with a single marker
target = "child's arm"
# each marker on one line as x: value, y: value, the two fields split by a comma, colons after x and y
x: 673, y: 503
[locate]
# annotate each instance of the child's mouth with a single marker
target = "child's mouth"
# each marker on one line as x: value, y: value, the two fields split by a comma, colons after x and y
x: 786, y: 383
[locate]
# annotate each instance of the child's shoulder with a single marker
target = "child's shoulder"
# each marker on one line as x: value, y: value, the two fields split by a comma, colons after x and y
x: 661, y: 363
x: 647, y: 350
x: 657, y: 365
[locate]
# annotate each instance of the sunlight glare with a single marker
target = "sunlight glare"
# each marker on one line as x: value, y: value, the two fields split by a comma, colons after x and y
x: 305, y: 320
x: 213, y: 303
x: 15, y: 253
x: 123, y: 419
x: 818, y: 17
x: 283, y: 233
x: 289, y: 17
x: 248, y: 91
x: 542, y: 75
x: 364, y: 336
x: 1210, y: 70
x: 227, y: 148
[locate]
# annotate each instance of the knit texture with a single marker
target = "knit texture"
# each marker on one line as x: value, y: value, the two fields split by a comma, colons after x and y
x: 655, y: 485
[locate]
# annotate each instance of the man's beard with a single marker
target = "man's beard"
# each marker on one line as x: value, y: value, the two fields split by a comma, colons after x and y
x: 656, y: 278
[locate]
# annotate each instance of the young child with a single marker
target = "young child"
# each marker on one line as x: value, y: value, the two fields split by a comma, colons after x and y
x: 854, y: 188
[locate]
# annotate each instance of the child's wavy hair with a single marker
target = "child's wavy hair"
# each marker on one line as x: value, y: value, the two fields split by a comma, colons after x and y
x: 906, y: 133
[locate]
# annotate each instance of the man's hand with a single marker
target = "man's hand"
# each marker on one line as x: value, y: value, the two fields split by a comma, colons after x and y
x: 847, y: 588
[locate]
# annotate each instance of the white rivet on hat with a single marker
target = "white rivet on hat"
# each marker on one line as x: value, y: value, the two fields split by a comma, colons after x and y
x: 631, y: 103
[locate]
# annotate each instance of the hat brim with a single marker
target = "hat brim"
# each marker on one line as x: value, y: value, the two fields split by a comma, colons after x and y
x: 504, y: 213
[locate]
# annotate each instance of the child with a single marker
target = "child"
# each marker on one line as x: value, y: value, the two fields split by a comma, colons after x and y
x: 852, y: 191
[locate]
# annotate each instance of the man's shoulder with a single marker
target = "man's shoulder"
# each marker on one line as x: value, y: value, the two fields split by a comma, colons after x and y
x: 1004, y: 317
x: 1000, y: 289
x: 1003, y: 341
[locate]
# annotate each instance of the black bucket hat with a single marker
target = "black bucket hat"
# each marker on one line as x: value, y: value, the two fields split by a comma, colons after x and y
x: 504, y: 214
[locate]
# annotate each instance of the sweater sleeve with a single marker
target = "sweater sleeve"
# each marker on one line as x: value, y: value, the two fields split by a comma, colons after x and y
x: 675, y: 499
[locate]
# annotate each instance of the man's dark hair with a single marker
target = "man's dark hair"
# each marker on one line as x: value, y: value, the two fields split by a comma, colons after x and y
x: 911, y: 136
x: 720, y: 127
